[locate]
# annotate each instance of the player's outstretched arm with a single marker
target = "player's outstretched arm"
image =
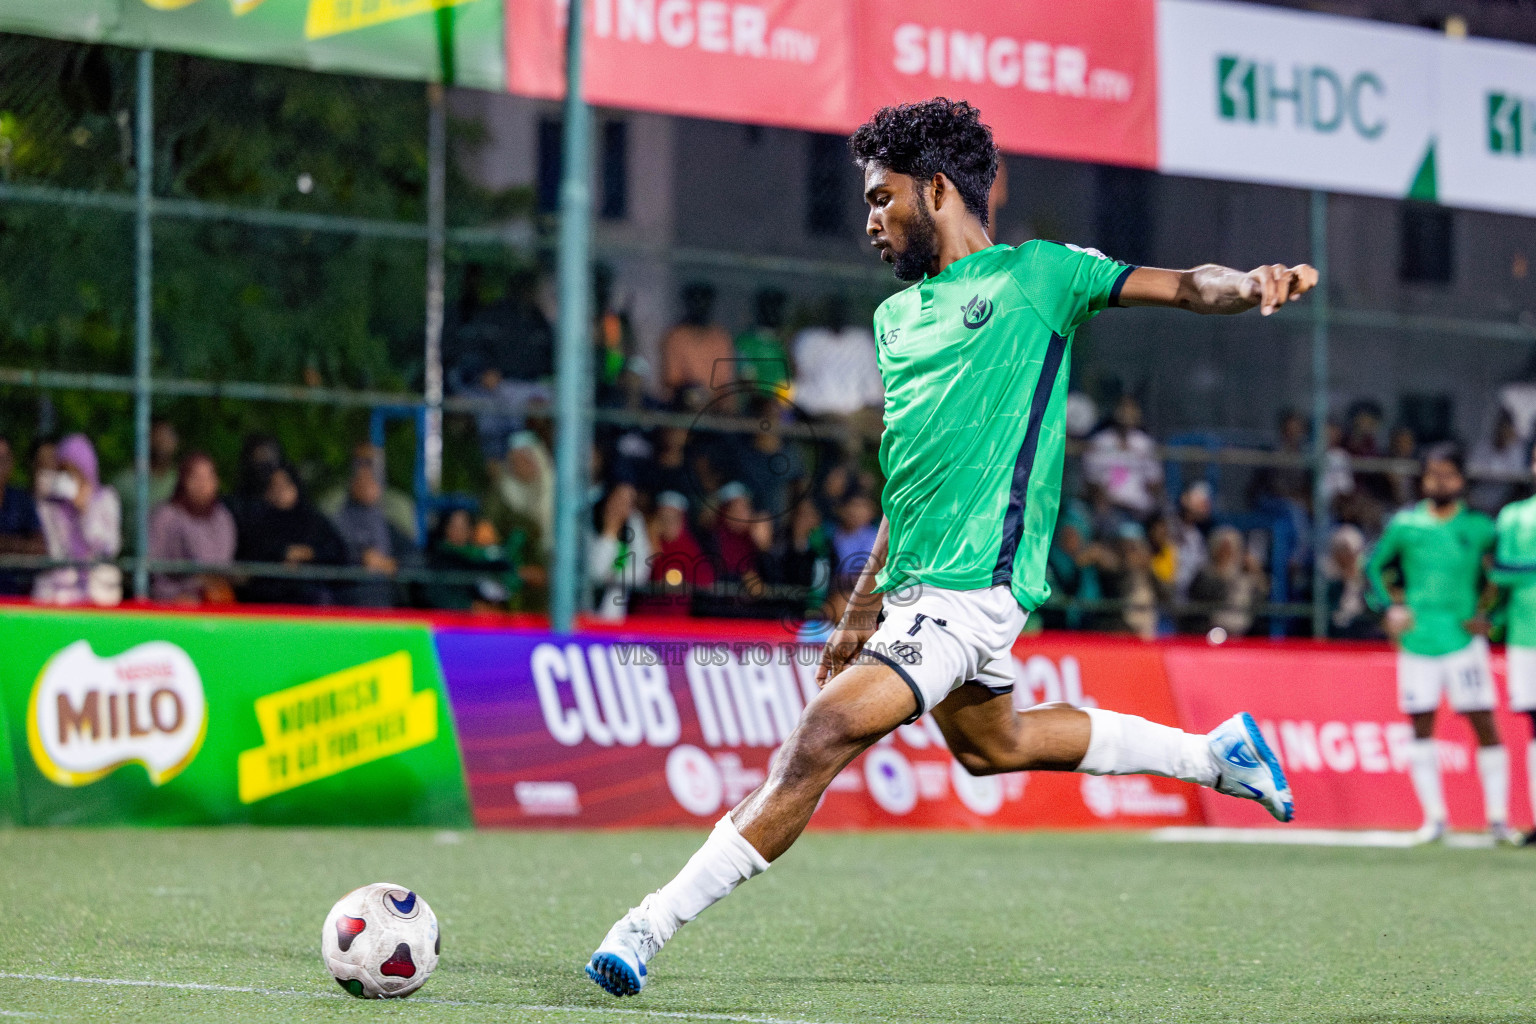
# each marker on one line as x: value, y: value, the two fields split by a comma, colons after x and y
x: 1214, y: 289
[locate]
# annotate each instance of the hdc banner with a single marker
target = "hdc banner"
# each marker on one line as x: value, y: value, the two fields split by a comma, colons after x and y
x: 115, y: 718
x: 1331, y: 715
x: 645, y: 731
x: 1487, y: 126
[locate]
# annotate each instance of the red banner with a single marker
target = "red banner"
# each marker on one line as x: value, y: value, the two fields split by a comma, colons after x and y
x: 1069, y: 80
x: 635, y: 731
x: 1331, y: 715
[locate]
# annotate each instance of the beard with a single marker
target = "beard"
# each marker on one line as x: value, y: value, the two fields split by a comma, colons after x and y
x: 912, y: 263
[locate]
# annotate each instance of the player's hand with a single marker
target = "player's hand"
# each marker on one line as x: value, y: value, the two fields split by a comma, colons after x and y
x: 1478, y: 625
x: 1273, y: 286
x: 1397, y: 621
x: 842, y: 648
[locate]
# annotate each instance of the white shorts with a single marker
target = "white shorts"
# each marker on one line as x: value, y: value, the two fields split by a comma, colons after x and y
x: 1464, y: 676
x: 947, y: 638
x: 1522, y: 678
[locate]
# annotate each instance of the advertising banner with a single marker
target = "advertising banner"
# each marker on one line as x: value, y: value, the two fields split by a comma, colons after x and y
x: 1331, y: 716
x: 1076, y: 81
x: 434, y: 40
x: 646, y: 731
x: 178, y: 720
x: 1250, y: 93
x: 1486, y: 148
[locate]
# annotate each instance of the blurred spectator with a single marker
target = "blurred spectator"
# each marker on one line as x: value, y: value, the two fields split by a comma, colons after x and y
x: 260, y: 454
x: 82, y: 522
x: 837, y: 373
x: 858, y: 525
x: 678, y: 568
x: 522, y: 495
x: 1338, y: 478
x: 1504, y: 452
x: 801, y: 557
x: 1165, y: 554
x: 369, y: 540
x: 1121, y: 464
x: 1188, y: 532
x: 1405, y: 485
x: 760, y: 354
x: 1126, y: 567
x: 283, y: 527
x: 1232, y: 583
x: 1362, y: 440
x: 620, y: 372
x: 20, y: 531
x: 1075, y: 560
x: 619, y: 554
x: 1344, y: 573
x: 500, y: 321
x: 453, y: 547
x: 740, y: 536
x: 667, y: 469
x: 1287, y: 487
x: 164, y: 444
x: 398, y: 506
x: 508, y: 412
x: 697, y: 358
x: 193, y: 526
x: 772, y: 468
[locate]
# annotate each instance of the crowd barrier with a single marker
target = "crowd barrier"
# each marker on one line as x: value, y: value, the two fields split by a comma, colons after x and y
x: 175, y: 718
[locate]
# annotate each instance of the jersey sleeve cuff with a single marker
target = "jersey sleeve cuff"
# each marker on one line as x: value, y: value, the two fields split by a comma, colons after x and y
x: 1114, y: 291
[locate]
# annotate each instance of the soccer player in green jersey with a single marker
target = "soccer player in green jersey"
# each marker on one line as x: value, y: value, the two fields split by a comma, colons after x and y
x: 1441, y: 548
x: 974, y: 358
x: 1514, y: 568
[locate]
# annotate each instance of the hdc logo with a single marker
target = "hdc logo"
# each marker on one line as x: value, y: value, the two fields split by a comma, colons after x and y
x: 1319, y: 98
x: 1511, y: 124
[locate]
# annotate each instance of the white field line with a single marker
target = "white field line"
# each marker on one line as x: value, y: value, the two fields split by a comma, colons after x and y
x: 190, y: 986
x: 1312, y: 837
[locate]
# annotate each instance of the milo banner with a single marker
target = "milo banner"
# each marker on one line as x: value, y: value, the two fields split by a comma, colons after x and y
x: 170, y: 719
x: 437, y: 40
x: 645, y: 731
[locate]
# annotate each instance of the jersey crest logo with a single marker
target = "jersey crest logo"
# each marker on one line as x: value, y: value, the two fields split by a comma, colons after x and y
x: 976, y: 312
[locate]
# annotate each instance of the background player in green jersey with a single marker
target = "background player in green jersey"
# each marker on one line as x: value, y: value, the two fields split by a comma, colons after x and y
x: 1514, y: 567
x: 974, y: 360
x: 1441, y: 548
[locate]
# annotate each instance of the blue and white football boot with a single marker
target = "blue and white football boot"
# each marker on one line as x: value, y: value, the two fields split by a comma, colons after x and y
x: 1248, y: 768
x: 618, y: 966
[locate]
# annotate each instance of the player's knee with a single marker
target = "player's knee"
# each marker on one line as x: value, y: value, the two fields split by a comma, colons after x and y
x: 977, y: 762
x: 822, y: 736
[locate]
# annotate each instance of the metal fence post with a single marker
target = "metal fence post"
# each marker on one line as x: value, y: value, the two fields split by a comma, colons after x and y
x: 1320, y: 510
x: 144, y: 168
x: 437, y: 233
x: 573, y: 384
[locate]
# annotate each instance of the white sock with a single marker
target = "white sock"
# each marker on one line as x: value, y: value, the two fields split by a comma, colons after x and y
x: 722, y: 863
x: 1493, y: 770
x: 1424, y: 768
x: 1530, y: 774
x: 1126, y: 745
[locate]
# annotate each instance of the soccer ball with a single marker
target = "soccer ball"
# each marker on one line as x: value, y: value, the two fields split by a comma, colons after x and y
x: 381, y: 941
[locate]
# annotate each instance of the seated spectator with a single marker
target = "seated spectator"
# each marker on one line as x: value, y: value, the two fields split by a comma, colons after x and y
x: 697, y: 357
x: 1130, y: 580
x: 260, y: 454
x: 1291, y: 485
x: 284, y: 528
x: 837, y: 374
x: 1362, y: 441
x: 740, y: 536
x: 1189, y: 531
x: 1074, y: 562
x: 772, y: 468
x: 453, y: 547
x: 399, y: 507
x: 668, y: 469
x: 801, y: 557
x: 1121, y: 465
x: 1338, y: 478
x: 521, y: 498
x: 506, y: 410
x: 1404, y: 444
x: 760, y: 353
x: 1344, y: 573
x: 678, y: 568
x: 1232, y: 582
x: 1502, y: 454
x: 618, y: 556
x: 82, y: 522
x: 369, y: 540
x: 193, y: 526
x: 20, y: 531
x: 858, y: 525
x: 164, y: 444
x: 45, y: 461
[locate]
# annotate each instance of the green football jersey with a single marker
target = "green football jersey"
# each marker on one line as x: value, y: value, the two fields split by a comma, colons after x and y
x: 975, y: 364
x: 1442, y: 565
x: 1514, y: 566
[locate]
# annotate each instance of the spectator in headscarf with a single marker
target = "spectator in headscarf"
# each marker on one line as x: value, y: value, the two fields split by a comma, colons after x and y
x: 678, y: 567
x: 1344, y: 573
x: 1232, y: 581
x: 260, y: 454
x: 522, y: 497
x: 285, y: 528
x: 82, y: 522
x: 619, y: 554
x: 193, y: 526
x: 454, y: 547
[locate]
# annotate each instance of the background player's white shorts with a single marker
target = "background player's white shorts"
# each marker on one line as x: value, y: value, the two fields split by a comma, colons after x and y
x: 947, y: 638
x: 1522, y: 678
x: 1464, y: 676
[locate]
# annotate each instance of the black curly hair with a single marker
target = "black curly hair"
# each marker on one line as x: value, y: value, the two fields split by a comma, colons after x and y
x: 925, y: 139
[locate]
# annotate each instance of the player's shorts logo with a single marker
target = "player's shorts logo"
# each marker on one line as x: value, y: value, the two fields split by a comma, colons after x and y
x: 976, y: 312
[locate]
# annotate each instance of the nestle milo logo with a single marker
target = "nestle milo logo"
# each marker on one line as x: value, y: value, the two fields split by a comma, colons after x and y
x: 1511, y: 124
x: 89, y: 715
x: 1308, y: 97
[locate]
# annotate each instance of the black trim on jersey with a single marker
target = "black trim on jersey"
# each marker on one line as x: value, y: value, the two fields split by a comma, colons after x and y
x: 1024, y: 465
x: 996, y: 691
x: 901, y: 671
x: 1114, y: 293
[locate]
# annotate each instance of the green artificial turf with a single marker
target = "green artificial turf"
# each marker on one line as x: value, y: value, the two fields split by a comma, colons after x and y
x: 847, y: 929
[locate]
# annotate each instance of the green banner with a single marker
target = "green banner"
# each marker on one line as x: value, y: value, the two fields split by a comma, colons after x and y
x: 180, y: 720
x: 454, y: 41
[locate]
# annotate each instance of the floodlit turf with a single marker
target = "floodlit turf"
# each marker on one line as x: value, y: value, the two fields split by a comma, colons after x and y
x: 847, y: 929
